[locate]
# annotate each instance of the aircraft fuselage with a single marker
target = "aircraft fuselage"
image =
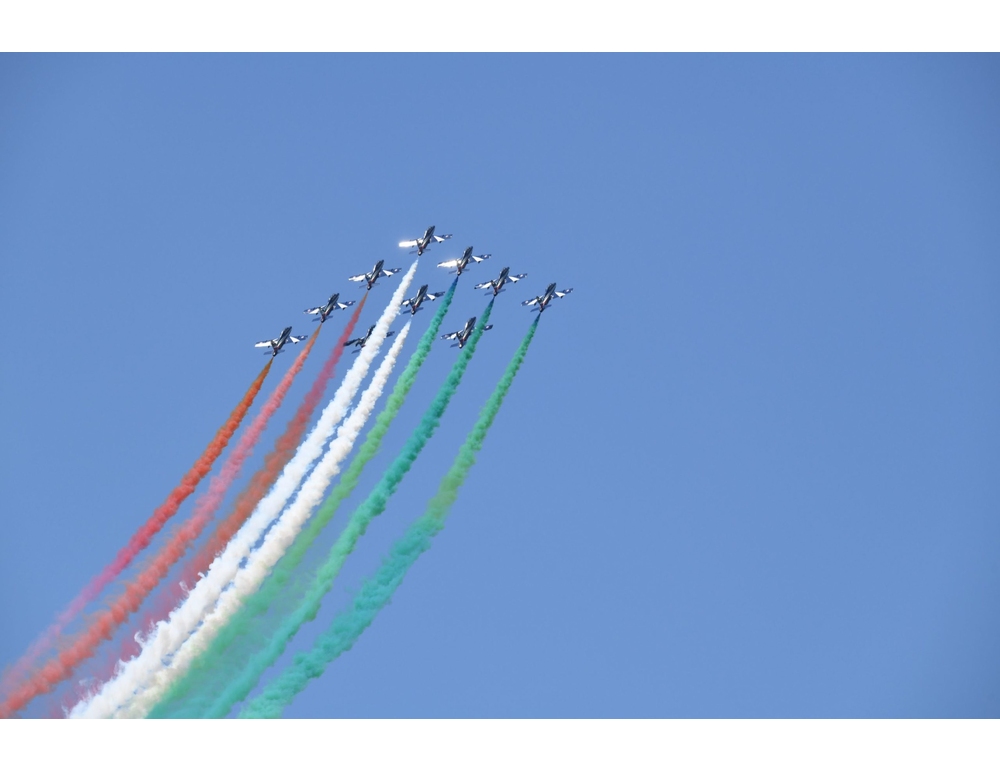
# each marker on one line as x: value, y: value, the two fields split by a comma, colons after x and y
x: 418, y: 300
x: 463, y: 337
x: 546, y: 298
x: 278, y: 344
x: 373, y: 276
x: 364, y: 340
x: 424, y: 242
x: 464, y: 260
x: 499, y: 282
x: 325, y: 311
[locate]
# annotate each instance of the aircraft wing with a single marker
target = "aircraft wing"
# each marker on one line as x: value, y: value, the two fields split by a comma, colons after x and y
x: 485, y: 285
x: 562, y: 293
x: 389, y: 334
x: 407, y: 244
x: 516, y: 278
x: 295, y: 339
x: 313, y: 310
x: 533, y: 301
x: 434, y: 295
x: 345, y: 305
x: 361, y: 277
x: 263, y: 344
x: 406, y: 303
x: 439, y: 238
x: 394, y: 270
x: 483, y: 258
x: 452, y: 336
x: 352, y: 342
x: 450, y: 263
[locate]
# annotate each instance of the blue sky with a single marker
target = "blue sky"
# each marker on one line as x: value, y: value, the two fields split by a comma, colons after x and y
x: 749, y: 466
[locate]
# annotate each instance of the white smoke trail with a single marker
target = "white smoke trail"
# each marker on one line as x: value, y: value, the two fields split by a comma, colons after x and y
x: 277, y: 541
x: 168, y: 636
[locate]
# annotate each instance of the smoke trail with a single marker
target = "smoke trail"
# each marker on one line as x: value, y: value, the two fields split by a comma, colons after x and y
x: 322, y: 581
x: 171, y: 634
x: 376, y: 592
x: 104, y: 625
x: 277, y: 540
x: 237, y: 638
x: 246, y: 502
x: 84, y: 644
x: 41, y: 680
x: 284, y: 448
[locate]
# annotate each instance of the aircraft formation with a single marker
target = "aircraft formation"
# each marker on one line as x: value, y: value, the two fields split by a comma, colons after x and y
x: 454, y: 266
x: 186, y: 666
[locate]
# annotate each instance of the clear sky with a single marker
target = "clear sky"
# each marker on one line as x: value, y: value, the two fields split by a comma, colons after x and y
x: 749, y: 468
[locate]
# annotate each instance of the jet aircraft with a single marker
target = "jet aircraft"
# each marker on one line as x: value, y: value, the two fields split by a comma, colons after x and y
x: 376, y: 273
x: 463, y: 261
x: 324, y: 311
x: 414, y: 303
x: 463, y: 334
x: 279, y: 342
x: 543, y: 300
x: 496, y: 286
x: 360, y: 342
x: 424, y: 241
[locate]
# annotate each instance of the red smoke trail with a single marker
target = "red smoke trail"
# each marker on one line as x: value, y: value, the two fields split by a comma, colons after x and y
x: 264, y: 479
x: 246, y: 502
x: 66, y: 660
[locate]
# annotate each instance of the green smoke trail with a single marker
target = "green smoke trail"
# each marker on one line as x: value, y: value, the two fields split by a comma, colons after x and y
x: 376, y: 592
x: 249, y: 630
x: 327, y: 572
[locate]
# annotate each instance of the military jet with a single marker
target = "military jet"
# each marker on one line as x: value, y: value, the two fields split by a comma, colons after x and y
x: 414, y: 303
x: 376, y: 273
x: 463, y: 335
x: 463, y: 261
x: 279, y: 342
x: 324, y: 311
x: 360, y: 342
x: 543, y: 300
x: 497, y: 285
x: 424, y: 241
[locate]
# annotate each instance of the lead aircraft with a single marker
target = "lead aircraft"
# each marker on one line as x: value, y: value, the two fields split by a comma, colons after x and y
x: 360, y: 342
x: 496, y: 286
x: 414, y: 303
x: 324, y: 311
x: 376, y: 273
x: 463, y: 261
x: 279, y: 342
x: 425, y: 240
x: 543, y: 300
x: 463, y: 334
